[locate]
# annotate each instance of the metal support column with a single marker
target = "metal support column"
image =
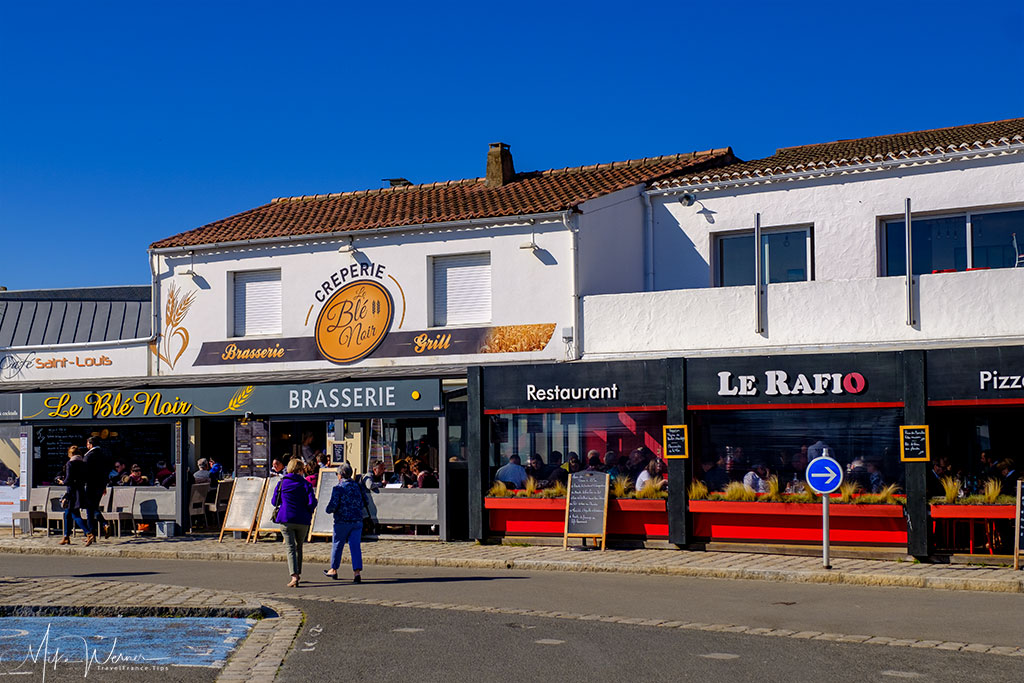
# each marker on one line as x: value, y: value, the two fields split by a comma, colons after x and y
x: 680, y: 471
x: 914, y: 402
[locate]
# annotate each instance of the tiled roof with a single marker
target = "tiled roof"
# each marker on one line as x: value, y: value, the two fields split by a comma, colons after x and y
x: 977, y: 138
x: 74, y: 316
x: 528, y: 193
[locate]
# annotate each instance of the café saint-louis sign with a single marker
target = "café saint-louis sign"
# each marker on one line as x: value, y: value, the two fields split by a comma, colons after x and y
x: 234, y: 400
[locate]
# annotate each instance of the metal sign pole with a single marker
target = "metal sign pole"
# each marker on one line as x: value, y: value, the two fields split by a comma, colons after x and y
x: 824, y: 532
x: 1016, y: 540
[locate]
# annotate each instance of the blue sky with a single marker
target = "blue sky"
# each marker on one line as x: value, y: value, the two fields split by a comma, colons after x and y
x: 125, y: 122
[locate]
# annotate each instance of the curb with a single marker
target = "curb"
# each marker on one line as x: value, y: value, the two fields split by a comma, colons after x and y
x: 778, y: 575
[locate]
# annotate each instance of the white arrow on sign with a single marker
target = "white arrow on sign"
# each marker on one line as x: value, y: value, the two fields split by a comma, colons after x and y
x: 832, y: 474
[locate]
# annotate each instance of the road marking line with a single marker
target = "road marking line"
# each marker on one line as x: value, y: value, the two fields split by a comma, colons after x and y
x: 406, y: 630
x: 549, y: 641
x: 903, y: 674
x: 720, y: 655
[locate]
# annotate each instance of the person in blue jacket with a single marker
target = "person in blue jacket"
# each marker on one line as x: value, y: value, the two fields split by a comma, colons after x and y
x: 295, y: 500
x: 347, y: 507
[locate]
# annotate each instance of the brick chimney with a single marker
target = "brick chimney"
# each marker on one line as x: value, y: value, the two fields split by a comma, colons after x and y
x: 499, y: 165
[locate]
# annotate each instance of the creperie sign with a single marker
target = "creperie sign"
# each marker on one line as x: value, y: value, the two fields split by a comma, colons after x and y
x: 779, y: 383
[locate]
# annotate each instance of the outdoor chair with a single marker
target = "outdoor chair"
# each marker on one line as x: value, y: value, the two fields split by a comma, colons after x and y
x: 36, y: 512
x: 54, y: 512
x: 122, y: 500
x: 220, y: 504
x: 197, y: 503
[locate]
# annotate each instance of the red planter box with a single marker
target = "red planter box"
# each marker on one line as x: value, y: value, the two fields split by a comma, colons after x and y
x: 973, y: 511
x: 716, y: 520
x: 546, y: 517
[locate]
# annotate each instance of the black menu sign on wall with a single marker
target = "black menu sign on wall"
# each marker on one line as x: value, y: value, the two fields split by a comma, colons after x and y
x: 914, y: 445
x: 675, y: 442
x: 586, y: 507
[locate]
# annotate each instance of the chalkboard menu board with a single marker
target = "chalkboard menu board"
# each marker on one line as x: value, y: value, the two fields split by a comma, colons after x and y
x: 251, y: 448
x: 142, y: 445
x: 674, y: 441
x: 914, y: 443
x: 323, y: 523
x: 266, y: 522
x: 243, y: 504
x: 586, y: 507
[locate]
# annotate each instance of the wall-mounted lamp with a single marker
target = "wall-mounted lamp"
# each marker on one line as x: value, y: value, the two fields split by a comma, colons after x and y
x: 191, y: 270
x: 347, y: 247
x: 687, y: 199
x: 531, y: 245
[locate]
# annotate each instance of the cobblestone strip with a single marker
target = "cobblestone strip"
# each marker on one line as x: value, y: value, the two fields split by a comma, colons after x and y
x: 258, y: 658
x: 693, y: 626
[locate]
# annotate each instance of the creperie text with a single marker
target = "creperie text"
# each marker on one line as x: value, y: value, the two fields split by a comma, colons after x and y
x: 344, y: 275
x: 778, y: 383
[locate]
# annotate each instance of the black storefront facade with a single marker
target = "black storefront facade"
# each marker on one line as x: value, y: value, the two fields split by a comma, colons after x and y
x: 738, y: 410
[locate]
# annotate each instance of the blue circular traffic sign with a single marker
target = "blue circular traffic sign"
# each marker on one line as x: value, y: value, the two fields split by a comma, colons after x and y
x: 824, y: 474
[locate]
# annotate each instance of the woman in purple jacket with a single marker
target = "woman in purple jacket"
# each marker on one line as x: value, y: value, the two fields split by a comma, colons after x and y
x: 295, y: 499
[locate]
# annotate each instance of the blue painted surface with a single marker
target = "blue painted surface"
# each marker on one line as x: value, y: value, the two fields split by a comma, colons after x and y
x: 824, y: 474
x: 153, y: 641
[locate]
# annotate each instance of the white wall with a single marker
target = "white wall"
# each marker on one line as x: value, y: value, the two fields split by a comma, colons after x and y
x: 844, y: 210
x: 954, y: 308
x: 611, y: 243
x: 79, y: 361
x: 528, y: 287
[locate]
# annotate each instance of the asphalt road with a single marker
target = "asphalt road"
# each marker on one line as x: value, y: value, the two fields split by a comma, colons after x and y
x: 361, y: 642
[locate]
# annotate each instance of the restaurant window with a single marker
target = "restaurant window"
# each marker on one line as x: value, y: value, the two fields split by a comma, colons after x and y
x: 462, y: 289
x: 992, y: 239
x: 865, y: 441
x: 785, y: 257
x: 257, y: 302
x: 557, y: 437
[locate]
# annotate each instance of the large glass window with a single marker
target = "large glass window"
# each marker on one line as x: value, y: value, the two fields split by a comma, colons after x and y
x: 558, y: 438
x: 785, y: 255
x: 730, y: 443
x: 974, y: 240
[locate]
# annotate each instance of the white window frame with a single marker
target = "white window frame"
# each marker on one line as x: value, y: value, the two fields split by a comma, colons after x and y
x: 265, y: 330
x: 716, y: 250
x: 437, y: 259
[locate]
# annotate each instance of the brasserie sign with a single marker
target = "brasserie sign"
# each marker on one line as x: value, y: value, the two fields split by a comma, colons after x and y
x: 279, y: 399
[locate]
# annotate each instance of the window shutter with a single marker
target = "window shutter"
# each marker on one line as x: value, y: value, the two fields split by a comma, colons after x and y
x: 257, y: 302
x: 462, y: 289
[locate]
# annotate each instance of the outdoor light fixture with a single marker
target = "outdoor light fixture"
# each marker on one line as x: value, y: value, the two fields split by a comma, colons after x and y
x: 347, y: 247
x: 687, y: 199
x: 529, y: 245
x: 190, y: 271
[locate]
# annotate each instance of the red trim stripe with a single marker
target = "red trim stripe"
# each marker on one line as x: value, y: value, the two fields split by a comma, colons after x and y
x: 794, y: 406
x: 979, y: 402
x: 602, y: 409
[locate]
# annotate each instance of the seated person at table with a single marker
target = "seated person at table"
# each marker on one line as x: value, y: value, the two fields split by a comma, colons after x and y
x: 1008, y: 470
x: 216, y: 471
x: 940, y: 468
x: 162, y: 471
x: 277, y: 466
x: 536, y: 468
x: 713, y: 476
x: 136, y: 478
x: 311, y: 471
x: 757, y: 477
x: 512, y: 474
x: 202, y: 475
x: 594, y: 462
x: 375, y: 479
x: 402, y: 475
x: 654, y: 472
x: 425, y: 477
x: 611, y: 464
x: 117, y: 475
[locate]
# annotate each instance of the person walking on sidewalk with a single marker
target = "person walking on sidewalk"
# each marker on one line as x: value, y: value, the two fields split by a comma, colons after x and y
x: 97, y: 472
x: 295, y: 501
x: 76, y: 498
x: 347, y: 507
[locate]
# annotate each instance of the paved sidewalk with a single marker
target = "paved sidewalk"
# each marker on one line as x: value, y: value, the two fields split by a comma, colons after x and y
x: 257, y: 659
x: 702, y: 564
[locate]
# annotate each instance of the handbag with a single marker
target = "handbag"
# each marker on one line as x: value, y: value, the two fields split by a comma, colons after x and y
x: 65, y: 502
x: 277, y: 508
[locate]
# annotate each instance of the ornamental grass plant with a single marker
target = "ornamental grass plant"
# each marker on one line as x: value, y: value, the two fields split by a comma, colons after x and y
x: 499, y: 490
x: 773, y: 494
x: 652, y: 489
x: 887, y: 496
x: 737, y: 491
x: 847, y: 490
x: 558, y: 490
x: 621, y: 487
x: 697, y: 490
x: 951, y: 488
x: 529, y: 489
